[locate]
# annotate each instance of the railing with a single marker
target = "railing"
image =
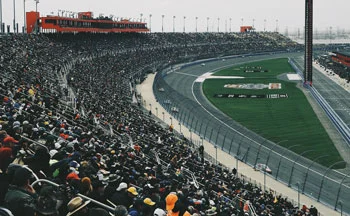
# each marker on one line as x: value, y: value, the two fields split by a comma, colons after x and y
x: 341, y: 126
x: 211, y: 125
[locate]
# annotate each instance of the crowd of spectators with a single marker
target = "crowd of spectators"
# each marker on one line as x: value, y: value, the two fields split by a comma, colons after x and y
x: 333, y: 67
x: 105, y: 148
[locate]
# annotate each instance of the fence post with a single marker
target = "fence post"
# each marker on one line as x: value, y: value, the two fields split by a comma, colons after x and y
x: 211, y: 133
x: 279, y: 163
x: 291, y: 172
x: 324, y: 175
x: 223, y: 142
x: 341, y: 183
x: 229, y: 151
x: 217, y: 136
x: 307, y: 172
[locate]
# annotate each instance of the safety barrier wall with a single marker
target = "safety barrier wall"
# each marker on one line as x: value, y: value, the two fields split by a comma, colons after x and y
x: 333, y: 116
x: 314, y: 180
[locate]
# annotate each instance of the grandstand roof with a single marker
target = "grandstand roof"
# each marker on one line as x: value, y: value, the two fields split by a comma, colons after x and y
x: 344, y: 53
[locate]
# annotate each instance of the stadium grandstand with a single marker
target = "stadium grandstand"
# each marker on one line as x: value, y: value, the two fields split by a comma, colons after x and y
x: 74, y: 142
x: 336, y: 63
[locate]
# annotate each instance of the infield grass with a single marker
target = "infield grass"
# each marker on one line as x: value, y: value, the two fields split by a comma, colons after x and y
x: 291, y: 118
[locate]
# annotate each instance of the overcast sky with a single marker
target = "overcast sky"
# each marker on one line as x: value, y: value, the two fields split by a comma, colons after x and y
x: 289, y: 13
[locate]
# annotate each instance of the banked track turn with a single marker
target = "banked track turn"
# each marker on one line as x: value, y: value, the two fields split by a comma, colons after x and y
x: 195, y: 110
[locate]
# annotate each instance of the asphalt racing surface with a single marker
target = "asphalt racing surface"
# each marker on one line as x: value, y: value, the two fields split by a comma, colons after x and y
x: 196, y: 112
x: 337, y: 97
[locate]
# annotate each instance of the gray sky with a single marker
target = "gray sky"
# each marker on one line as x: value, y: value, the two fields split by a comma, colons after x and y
x: 288, y: 13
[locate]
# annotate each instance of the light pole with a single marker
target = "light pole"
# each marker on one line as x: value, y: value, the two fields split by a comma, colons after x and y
x: 157, y: 111
x: 298, y: 185
x: 24, y: 15
x: 196, y: 24
x: 218, y: 24
x: 184, y: 24
x: 253, y: 22
x: 0, y: 16
x: 208, y: 24
x: 180, y: 127
x: 226, y: 25
x: 174, y: 23
x: 163, y: 116
x: 141, y: 15
x: 276, y: 25
x: 264, y: 25
x: 150, y: 107
x: 162, y: 23
x: 36, y: 10
x: 150, y: 23
x: 14, y: 16
x: 230, y: 24
x: 171, y: 121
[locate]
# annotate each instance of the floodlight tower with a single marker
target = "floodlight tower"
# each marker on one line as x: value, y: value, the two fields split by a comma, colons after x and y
x: 308, y: 42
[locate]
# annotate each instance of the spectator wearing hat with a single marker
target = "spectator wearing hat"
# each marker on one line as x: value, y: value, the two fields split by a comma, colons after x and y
x: 113, y: 180
x: 120, y: 210
x: 170, y: 201
x: 159, y: 212
x: 6, y: 156
x: 137, y: 208
x: 179, y: 210
x: 148, y: 207
x: 20, y: 196
x: 86, y: 186
x: 78, y: 207
x: 119, y: 194
x: 125, y: 198
x: 40, y: 161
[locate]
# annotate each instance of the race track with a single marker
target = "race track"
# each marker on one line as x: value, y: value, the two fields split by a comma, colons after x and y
x: 198, y: 113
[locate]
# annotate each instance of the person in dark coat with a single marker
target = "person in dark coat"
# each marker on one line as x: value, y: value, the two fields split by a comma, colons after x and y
x: 20, y: 197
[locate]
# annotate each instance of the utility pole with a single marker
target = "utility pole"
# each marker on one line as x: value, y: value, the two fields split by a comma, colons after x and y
x: 24, y: 16
x: 14, y: 16
x: 230, y: 24
x: 174, y: 23
x: 184, y: 24
x: 0, y: 16
x: 150, y: 23
x: 218, y: 24
x: 207, y: 24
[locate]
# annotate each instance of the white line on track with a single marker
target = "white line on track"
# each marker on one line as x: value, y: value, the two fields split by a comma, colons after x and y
x: 186, y: 74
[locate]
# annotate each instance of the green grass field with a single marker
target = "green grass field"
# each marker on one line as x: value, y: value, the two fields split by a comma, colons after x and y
x: 291, y: 118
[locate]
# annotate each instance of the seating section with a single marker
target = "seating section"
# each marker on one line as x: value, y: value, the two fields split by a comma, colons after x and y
x: 68, y: 115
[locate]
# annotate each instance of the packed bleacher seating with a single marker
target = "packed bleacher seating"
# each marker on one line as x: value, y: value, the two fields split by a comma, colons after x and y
x: 332, y: 68
x: 104, y: 146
